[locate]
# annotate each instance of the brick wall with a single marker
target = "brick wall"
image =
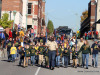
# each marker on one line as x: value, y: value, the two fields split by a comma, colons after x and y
x: 10, y: 5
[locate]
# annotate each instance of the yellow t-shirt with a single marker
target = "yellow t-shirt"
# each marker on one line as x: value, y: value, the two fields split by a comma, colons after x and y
x: 37, y: 48
x: 65, y: 45
x: 13, y: 50
x: 21, y: 33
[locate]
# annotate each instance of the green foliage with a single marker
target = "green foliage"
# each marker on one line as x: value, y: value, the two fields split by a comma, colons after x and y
x: 84, y: 15
x: 4, y: 22
x: 50, y: 27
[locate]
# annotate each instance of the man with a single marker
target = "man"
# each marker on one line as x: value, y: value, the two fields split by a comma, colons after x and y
x: 80, y: 54
x: 95, y: 49
x: 37, y: 39
x: 53, y: 48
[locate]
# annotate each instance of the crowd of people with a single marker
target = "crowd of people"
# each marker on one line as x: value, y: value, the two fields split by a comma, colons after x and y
x: 50, y: 52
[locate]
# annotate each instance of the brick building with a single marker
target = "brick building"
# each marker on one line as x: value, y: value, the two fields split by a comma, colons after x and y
x: 98, y: 17
x: 0, y: 7
x: 36, y: 15
x: 87, y: 24
x: 30, y: 13
x: 8, y: 6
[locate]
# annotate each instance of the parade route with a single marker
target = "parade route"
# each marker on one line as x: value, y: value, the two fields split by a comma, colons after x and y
x: 9, y: 68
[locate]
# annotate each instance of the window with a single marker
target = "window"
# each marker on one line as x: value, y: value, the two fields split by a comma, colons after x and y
x: 29, y: 8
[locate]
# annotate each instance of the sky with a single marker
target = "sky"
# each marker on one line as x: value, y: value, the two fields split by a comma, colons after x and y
x: 65, y: 12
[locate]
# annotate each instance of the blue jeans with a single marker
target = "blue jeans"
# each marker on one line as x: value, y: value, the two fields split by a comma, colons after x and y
x: 58, y: 60
x: 85, y: 56
x: 13, y: 57
x: 66, y: 61
x: 32, y: 60
x: 32, y: 34
x: 52, y: 55
x: 95, y: 59
x: 62, y: 61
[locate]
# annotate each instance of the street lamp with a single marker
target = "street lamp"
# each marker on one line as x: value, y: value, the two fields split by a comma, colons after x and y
x: 26, y: 21
x: 14, y: 13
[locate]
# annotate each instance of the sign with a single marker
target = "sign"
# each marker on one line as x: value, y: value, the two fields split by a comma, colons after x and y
x: 35, y: 27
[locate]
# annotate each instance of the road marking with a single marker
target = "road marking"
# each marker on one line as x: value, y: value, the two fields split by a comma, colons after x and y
x: 37, y: 70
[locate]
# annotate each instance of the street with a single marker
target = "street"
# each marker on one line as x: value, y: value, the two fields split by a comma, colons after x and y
x: 9, y: 68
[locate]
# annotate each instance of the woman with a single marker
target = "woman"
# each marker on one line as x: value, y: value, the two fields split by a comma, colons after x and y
x: 85, y: 53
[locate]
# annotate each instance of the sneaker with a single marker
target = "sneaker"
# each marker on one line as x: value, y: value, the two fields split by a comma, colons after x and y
x: 52, y: 68
x: 65, y: 66
x: 75, y: 67
x: 86, y: 67
x: 57, y: 66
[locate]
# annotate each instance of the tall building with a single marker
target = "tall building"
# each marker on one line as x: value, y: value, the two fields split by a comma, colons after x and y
x: 98, y: 16
x: 87, y: 24
x: 0, y: 7
x: 36, y: 15
x: 8, y: 6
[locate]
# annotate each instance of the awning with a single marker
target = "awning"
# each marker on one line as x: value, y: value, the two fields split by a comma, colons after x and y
x: 98, y: 21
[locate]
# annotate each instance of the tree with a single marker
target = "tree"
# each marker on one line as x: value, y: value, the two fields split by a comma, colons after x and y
x: 50, y: 27
x: 4, y: 22
x: 84, y: 15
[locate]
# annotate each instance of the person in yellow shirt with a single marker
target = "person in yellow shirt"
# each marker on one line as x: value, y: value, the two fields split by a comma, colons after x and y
x: 13, y: 51
x: 37, y: 54
x: 21, y: 35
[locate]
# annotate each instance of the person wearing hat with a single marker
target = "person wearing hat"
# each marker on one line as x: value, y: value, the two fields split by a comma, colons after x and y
x: 95, y: 49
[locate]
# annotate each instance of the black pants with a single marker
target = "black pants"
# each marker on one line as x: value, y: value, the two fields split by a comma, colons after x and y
x: 21, y: 60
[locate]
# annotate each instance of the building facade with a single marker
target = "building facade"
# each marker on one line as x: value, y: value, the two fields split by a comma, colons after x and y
x: 30, y: 13
x: 36, y: 16
x: 8, y: 6
x: 98, y: 17
x: 87, y: 24
x: 0, y: 7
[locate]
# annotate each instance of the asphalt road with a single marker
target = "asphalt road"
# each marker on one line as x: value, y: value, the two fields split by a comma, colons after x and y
x: 9, y: 68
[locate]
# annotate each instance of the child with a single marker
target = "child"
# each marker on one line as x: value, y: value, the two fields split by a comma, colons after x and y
x: 58, y: 56
x: 13, y: 51
x: 32, y: 53
x: 74, y: 56
x: 41, y: 50
x: 46, y: 58
x: 31, y: 45
x: 66, y: 54
x: 27, y: 56
x: 62, y: 57
x: 37, y: 56
x: 22, y: 55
